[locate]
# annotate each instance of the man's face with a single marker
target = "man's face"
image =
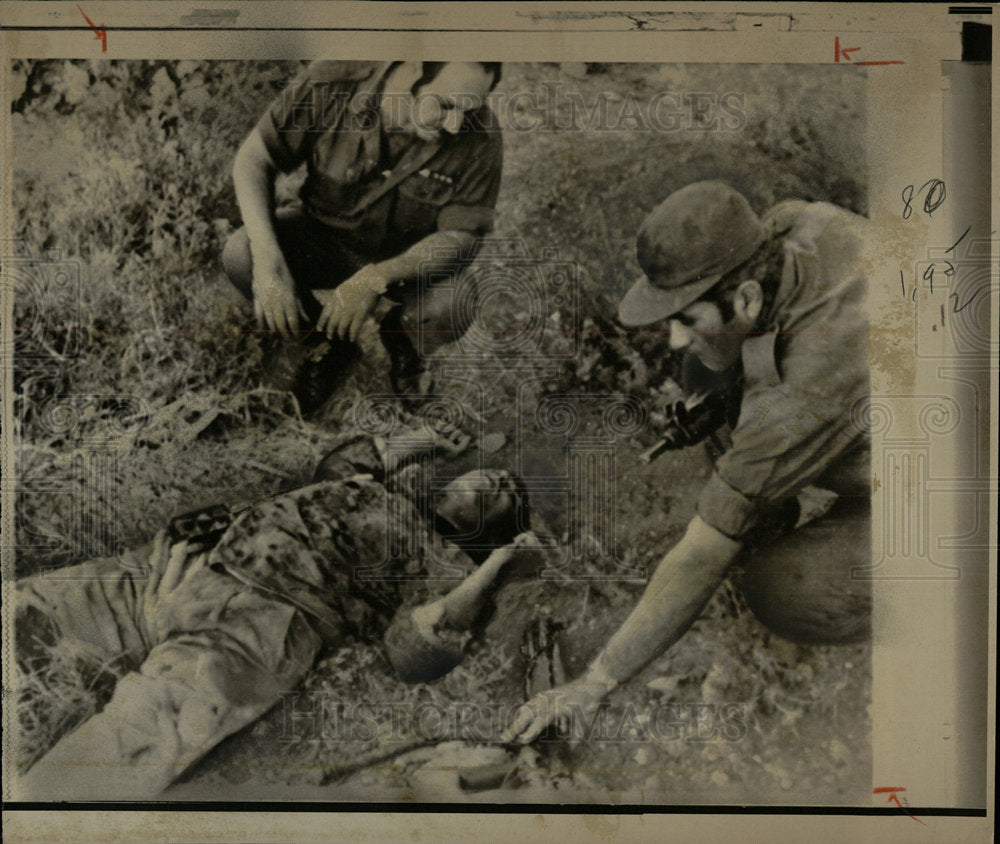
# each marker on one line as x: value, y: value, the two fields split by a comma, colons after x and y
x: 478, y: 499
x: 699, y: 329
x: 441, y: 104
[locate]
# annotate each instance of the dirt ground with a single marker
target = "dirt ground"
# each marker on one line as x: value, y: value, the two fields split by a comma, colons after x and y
x: 731, y: 713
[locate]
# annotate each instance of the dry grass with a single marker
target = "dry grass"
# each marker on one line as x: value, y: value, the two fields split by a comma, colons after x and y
x: 122, y: 168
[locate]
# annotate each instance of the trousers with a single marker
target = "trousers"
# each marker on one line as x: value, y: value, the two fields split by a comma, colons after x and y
x: 202, y: 655
x: 810, y: 585
x: 807, y: 584
x: 427, y: 317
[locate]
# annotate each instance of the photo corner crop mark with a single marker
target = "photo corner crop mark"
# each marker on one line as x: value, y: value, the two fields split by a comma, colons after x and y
x: 842, y: 55
x: 100, y: 32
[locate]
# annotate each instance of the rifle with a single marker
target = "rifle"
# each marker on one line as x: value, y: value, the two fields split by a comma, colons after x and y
x: 689, y: 421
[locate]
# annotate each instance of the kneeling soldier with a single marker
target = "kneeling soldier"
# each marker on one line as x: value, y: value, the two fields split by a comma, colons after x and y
x: 404, y: 163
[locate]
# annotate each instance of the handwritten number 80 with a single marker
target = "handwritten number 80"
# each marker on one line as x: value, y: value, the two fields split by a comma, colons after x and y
x: 932, y: 199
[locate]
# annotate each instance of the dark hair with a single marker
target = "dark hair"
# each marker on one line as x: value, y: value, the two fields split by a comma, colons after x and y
x: 501, y: 531
x: 764, y: 265
x: 430, y: 71
x: 520, y: 518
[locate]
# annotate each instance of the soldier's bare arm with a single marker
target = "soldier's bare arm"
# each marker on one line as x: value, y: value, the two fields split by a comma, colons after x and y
x: 275, y: 303
x: 677, y: 592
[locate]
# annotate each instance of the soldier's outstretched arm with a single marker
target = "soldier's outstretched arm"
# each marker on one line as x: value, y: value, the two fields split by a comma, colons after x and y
x: 674, y: 597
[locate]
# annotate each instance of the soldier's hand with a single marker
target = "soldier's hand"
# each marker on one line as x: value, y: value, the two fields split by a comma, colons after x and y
x: 527, y: 540
x: 167, y: 566
x: 346, y: 307
x: 529, y: 554
x: 570, y: 706
x: 275, y: 304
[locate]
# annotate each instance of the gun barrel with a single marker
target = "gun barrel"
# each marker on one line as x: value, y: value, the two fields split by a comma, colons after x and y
x: 654, y: 451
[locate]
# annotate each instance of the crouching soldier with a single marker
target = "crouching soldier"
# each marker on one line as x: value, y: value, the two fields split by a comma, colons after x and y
x: 770, y: 313
x: 403, y: 163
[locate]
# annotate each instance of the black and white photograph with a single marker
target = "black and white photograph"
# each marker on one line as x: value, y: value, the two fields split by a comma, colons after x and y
x: 402, y: 432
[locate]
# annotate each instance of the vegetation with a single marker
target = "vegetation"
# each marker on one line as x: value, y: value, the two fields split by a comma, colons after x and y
x: 121, y: 180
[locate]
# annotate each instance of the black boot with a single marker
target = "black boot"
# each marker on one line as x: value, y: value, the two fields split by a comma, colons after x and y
x: 406, y: 366
x: 284, y: 356
x: 324, y: 370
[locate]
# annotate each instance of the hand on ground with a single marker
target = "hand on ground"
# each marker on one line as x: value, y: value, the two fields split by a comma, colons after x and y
x: 574, y: 703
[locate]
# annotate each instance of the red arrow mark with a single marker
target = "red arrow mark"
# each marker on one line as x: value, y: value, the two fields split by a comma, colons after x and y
x: 839, y: 51
x: 894, y: 798
x: 844, y: 54
x: 100, y: 33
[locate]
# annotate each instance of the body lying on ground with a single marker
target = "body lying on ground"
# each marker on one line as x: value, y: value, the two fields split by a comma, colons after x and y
x: 206, y: 632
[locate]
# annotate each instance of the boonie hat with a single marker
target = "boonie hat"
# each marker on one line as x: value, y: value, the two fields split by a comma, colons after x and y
x: 685, y: 245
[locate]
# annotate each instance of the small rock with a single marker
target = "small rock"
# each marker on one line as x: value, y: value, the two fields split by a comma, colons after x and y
x: 720, y: 778
x: 666, y: 686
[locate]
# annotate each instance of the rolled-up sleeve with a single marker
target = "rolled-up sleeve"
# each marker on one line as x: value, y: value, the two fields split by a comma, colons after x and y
x: 726, y: 509
x: 781, y: 443
x: 802, y: 384
x: 471, y: 206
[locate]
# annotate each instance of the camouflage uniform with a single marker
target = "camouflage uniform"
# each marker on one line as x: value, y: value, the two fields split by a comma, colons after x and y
x: 209, y: 639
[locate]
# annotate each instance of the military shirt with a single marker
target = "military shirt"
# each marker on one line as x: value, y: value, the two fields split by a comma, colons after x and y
x: 347, y: 553
x: 328, y: 118
x: 803, y: 376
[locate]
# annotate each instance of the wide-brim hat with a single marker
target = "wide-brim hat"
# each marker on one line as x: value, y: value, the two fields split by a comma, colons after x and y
x: 685, y: 246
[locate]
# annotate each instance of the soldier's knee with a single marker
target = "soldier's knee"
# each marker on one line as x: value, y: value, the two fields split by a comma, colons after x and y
x: 808, y: 600
x: 440, y: 313
x: 237, y: 262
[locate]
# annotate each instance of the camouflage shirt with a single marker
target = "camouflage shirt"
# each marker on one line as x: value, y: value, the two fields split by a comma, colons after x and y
x: 347, y: 553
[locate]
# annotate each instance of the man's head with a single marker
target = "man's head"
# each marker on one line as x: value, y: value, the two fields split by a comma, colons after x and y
x: 714, y: 326
x: 487, y: 507
x: 698, y: 250
x: 428, y: 98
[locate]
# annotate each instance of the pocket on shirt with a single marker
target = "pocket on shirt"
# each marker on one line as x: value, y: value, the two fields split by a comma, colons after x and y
x: 330, y: 197
x: 421, y: 198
